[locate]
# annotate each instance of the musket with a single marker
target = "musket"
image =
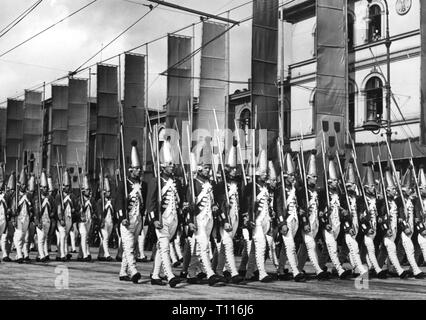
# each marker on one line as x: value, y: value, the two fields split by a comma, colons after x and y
x: 151, y: 146
x: 343, y: 180
x: 126, y: 194
x: 240, y: 153
x: 304, y: 169
x: 213, y: 165
x: 157, y: 163
x: 415, y: 177
x: 396, y: 178
x: 281, y: 161
x: 180, y: 153
x: 101, y: 182
x: 79, y: 182
x: 382, y: 180
x: 40, y: 207
x: 222, y: 162
x: 59, y: 178
x: 324, y: 163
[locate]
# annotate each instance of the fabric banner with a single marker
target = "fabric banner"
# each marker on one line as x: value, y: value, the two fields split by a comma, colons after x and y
x: 78, y: 127
x: 332, y: 74
x: 178, y: 79
x: 14, y: 132
x: 59, y: 127
x: 264, y: 67
x: 107, y: 117
x: 423, y: 73
x: 213, y: 86
x: 33, y: 125
x: 134, y: 103
x: 3, y: 121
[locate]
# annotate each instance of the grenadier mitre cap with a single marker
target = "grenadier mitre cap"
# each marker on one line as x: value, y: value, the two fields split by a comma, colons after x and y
x: 369, y: 175
x: 193, y: 162
x: 134, y: 155
x: 31, y: 183
x: 422, y: 177
x: 271, y: 171
x: 350, y: 172
x: 407, y: 179
x: 85, y: 185
x: 332, y: 172
x: 50, y: 183
x: 232, y: 156
x: 66, y: 179
x: 43, y: 180
x: 390, y: 182
x: 11, y: 181
x: 262, y: 163
x: 107, y: 187
x: 288, y: 164
x: 23, y: 179
x: 311, y: 166
x: 166, y: 153
x: 205, y: 155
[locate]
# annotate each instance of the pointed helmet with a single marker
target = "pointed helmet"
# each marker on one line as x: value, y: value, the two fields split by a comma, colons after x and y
x: 390, y: 182
x: 350, y: 172
x: 271, y: 171
x: 205, y: 154
x: 107, y: 186
x: 289, y: 167
x: 311, y: 166
x: 31, y: 183
x: 262, y: 163
x: 11, y: 183
x: 86, y: 185
x: 23, y: 179
x: 193, y: 162
x: 66, y: 180
x: 50, y: 182
x: 332, y: 172
x: 166, y: 154
x: 407, y: 179
x: 232, y: 156
x: 369, y: 175
x: 422, y: 177
x: 43, y: 180
x: 134, y: 155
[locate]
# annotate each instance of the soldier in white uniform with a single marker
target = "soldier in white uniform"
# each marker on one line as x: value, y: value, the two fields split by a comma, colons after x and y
x: 85, y: 220
x: 7, y: 234
x: 4, y: 209
x: 106, y: 216
x: 67, y: 208
x: 330, y: 221
x: 228, y: 217
x: 406, y: 223
x: 166, y: 224
x: 260, y: 221
x: 45, y: 212
x: 130, y: 208
x: 23, y: 210
x: 308, y: 246
x: 420, y: 218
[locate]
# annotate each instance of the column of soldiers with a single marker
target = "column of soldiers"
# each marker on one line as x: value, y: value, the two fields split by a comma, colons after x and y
x: 371, y: 225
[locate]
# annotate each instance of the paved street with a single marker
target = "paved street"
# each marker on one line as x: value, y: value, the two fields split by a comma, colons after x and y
x: 99, y: 280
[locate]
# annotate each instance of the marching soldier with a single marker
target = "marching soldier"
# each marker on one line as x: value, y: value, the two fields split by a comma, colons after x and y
x: 7, y: 234
x: 67, y: 208
x: 23, y: 211
x: 289, y: 216
x: 4, y: 208
x: 420, y: 214
x: 406, y: 223
x: 260, y: 209
x: 368, y: 221
x: 54, y: 219
x: 388, y: 247
x: 165, y: 224
x: 228, y: 217
x: 130, y: 208
x: 85, y: 219
x: 308, y: 246
x: 45, y: 213
x: 330, y: 221
x: 106, y: 216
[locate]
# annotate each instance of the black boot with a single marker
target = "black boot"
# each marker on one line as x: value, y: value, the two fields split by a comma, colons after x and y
x: 174, y: 281
x: 266, y: 279
x: 382, y: 274
x: 125, y: 278
x: 300, y: 277
x: 216, y: 279
x: 157, y: 282
x: 346, y: 274
x: 136, y: 277
x: 237, y: 279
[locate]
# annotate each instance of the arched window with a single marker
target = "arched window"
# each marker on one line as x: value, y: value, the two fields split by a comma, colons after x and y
x: 374, y: 98
x: 374, y: 22
x: 351, y: 39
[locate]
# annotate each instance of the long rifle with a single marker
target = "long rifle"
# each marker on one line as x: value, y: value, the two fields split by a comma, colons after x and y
x: 126, y: 194
x: 59, y: 178
x: 281, y: 161
x: 222, y: 162
x: 101, y: 182
x: 191, y: 177
x: 240, y: 153
x: 151, y: 146
x: 180, y: 153
x: 157, y: 150
x: 343, y: 180
x: 382, y: 180
x: 324, y: 164
x: 415, y: 177
x: 40, y: 207
x: 304, y: 169
x: 79, y: 181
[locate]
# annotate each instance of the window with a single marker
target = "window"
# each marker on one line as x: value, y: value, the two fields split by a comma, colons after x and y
x: 245, y: 123
x: 350, y: 31
x: 374, y: 98
x: 374, y: 23
x: 351, y: 111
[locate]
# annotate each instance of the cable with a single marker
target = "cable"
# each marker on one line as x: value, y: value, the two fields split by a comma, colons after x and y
x: 19, y: 18
x: 44, y: 30
x: 113, y: 40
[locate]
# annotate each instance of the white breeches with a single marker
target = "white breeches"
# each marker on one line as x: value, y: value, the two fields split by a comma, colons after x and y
x: 42, y: 236
x: 19, y: 236
x: 128, y: 236
x: 63, y: 236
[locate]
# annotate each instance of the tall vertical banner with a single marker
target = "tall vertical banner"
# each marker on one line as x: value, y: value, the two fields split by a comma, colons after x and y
x: 134, y: 102
x: 264, y: 67
x: 332, y: 73
x: 78, y: 127
x: 14, y: 132
x: 179, y: 82
x: 3, y: 121
x: 213, y: 85
x: 33, y: 125
x: 423, y: 73
x: 107, y: 117
x: 59, y: 128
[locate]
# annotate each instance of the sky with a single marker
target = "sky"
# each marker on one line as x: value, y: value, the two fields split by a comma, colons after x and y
x: 70, y: 43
